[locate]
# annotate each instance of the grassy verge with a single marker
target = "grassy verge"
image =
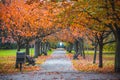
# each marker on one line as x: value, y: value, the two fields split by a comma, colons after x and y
x: 8, y: 59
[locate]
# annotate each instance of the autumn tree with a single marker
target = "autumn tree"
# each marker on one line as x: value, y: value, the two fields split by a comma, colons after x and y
x: 105, y: 13
x: 50, y: 16
x: 18, y: 18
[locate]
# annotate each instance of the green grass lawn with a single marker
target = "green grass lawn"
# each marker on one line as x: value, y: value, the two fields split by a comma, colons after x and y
x: 50, y: 52
x: 8, y: 52
x: 12, y: 52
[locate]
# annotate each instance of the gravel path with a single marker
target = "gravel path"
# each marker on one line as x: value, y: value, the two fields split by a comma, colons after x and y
x: 58, y: 62
x: 59, y: 67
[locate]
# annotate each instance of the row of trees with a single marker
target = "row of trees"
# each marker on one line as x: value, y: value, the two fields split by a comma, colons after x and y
x: 101, y: 18
x: 95, y: 21
x: 73, y: 21
x: 26, y: 21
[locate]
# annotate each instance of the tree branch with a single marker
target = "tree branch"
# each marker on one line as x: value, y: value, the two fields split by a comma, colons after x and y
x: 109, y: 42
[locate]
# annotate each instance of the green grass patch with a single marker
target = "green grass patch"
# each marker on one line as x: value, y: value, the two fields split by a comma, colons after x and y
x: 12, y: 52
x: 8, y: 52
x: 50, y: 52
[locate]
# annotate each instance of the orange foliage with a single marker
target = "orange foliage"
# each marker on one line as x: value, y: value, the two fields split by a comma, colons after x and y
x: 63, y: 35
x: 18, y: 18
x: 26, y: 20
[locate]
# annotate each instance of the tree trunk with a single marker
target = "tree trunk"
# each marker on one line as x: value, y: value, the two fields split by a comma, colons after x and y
x: 83, y: 49
x: 36, y: 47
x: 95, y: 52
x: 18, y: 49
x: 117, y: 54
x: 100, y: 55
x: 76, y: 50
x: 45, y: 49
x: 18, y: 46
x: 49, y: 46
x: 70, y: 48
x: 40, y: 48
x: 80, y: 48
x: 27, y: 48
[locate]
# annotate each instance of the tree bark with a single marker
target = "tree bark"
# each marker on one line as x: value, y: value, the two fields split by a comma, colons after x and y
x: 83, y: 49
x: 45, y: 49
x: 27, y: 48
x: 76, y: 50
x: 100, y: 39
x: 80, y: 47
x: 36, y: 47
x: 95, y: 52
x: 100, y: 55
x: 18, y: 49
x: 40, y: 48
x: 69, y: 47
x: 18, y: 46
x: 117, y: 54
x: 49, y: 46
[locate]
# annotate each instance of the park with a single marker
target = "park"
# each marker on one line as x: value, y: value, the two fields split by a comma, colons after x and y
x: 59, y: 40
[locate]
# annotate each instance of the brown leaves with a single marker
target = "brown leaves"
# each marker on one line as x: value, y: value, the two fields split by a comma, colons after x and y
x: 7, y: 65
x: 86, y: 65
x: 41, y: 59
